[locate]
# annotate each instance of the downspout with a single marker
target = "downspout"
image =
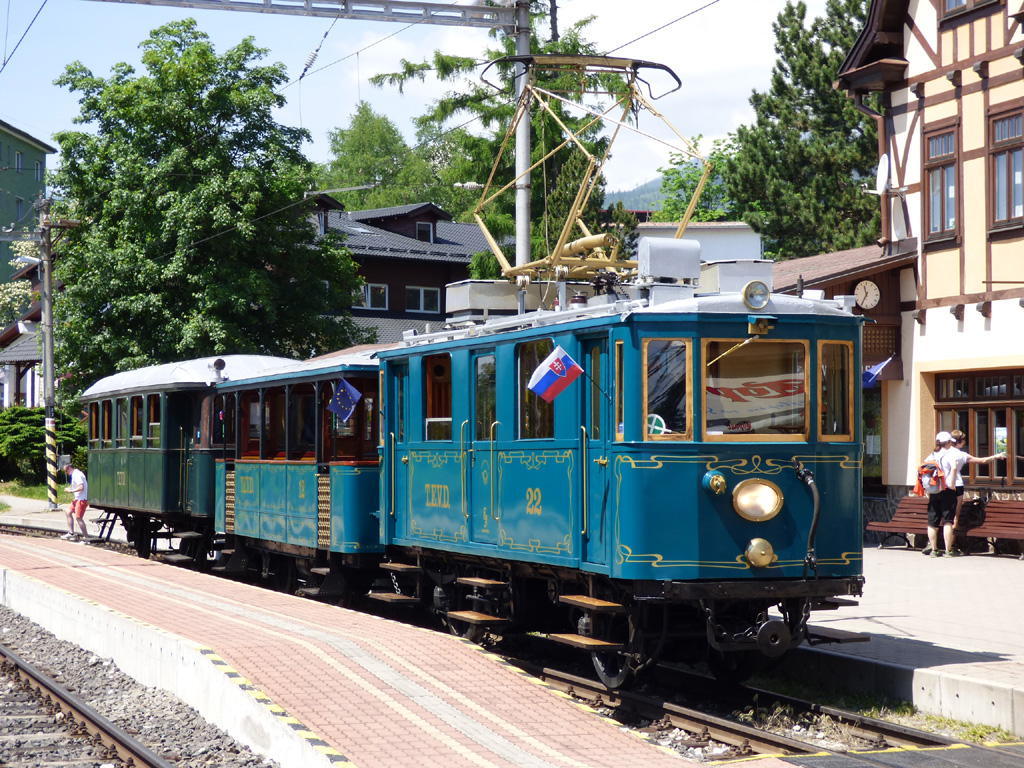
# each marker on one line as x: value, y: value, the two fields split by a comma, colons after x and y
x: 883, y: 145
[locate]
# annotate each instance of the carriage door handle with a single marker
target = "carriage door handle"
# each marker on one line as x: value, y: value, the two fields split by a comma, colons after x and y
x: 602, y: 461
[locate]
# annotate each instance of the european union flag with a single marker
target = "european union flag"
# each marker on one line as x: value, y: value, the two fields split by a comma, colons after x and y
x: 344, y: 400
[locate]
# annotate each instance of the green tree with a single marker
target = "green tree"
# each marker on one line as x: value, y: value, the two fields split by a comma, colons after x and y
x: 195, y: 239
x: 679, y: 182
x: 23, y: 439
x: 797, y: 170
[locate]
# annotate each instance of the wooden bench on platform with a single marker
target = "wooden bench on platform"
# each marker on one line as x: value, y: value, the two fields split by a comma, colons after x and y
x: 998, y: 520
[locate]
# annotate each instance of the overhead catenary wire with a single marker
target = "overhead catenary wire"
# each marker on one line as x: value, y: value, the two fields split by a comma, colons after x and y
x: 7, y: 58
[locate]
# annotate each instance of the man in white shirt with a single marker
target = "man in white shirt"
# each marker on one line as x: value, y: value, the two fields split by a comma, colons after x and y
x: 78, y: 486
x: 942, y: 504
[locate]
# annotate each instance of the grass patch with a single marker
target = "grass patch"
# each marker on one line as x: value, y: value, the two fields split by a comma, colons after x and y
x: 38, y: 492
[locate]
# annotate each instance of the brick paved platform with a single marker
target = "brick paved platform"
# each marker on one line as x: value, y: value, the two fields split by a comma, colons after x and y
x: 365, y: 690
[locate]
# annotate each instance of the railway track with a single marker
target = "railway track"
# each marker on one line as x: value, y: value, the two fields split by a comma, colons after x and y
x: 51, y: 726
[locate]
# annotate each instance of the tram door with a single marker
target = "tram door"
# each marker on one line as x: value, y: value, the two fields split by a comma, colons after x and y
x: 483, y: 490
x: 596, y: 434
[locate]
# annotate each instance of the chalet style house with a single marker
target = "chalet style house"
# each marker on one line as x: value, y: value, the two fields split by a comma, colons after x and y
x: 950, y: 76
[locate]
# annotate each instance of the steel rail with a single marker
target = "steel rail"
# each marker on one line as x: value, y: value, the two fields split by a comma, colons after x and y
x: 127, y: 749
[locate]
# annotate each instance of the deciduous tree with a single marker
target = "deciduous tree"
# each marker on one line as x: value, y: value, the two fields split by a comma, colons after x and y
x: 195, y: 238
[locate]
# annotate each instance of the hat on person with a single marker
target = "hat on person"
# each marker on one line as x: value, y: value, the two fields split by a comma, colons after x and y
x: 944, y: 437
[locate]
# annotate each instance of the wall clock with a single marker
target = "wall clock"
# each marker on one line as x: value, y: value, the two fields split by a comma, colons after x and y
x: 867, y: 294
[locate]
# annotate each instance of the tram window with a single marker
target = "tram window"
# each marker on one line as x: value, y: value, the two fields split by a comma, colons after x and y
x: 536, y: 415
x: 94, y: 425
x: 249, y: 428
x: 834, y: 390
x: 108, y: 422
x: 121, y: 438
x: 153, y: 427
x: 596, y: 395
x: 755, y: 389
x: 368, y: 403
x: 485, y: 396
x: 135, y: 413
x: 273, y: 424
x: 666, y: 403
x: 620, y: 426
x: 303, y: 426
x: 437, y: 371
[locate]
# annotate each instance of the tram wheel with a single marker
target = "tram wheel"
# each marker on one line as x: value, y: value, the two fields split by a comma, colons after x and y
x: 613, y: 669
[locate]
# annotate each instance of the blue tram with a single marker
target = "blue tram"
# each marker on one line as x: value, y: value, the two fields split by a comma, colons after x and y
x: 692, y: 491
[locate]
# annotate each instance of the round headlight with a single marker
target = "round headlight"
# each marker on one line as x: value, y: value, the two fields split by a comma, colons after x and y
x: 757, y: 500
x: 756, y: 294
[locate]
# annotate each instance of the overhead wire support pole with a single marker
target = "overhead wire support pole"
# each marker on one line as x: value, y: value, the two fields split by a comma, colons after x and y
x: 48, y: 369
x: 523, y: 148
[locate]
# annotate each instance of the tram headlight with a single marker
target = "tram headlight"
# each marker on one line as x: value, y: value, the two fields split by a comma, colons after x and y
x: 757, y: 500
x: 756, y: 294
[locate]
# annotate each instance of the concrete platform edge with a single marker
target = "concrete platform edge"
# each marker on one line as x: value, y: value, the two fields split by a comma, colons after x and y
x: 932, y: 691
x: 160, y: 659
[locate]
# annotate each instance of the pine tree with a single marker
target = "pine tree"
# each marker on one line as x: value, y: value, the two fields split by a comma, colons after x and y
x: 797, y: 172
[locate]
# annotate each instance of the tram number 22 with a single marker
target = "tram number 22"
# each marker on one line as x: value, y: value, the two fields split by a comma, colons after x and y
x: 533, y: 501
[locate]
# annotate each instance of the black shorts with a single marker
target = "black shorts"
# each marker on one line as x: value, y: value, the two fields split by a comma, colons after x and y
x: 941, y: 508
x: 959, y: 491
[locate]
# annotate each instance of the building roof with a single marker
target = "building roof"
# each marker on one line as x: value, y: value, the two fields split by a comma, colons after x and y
x: 390, y: 329
x: 453, y: 242
x: 24, y: 349
x: 841, y: 265
x: 42, y: 146
x: 397, y: 211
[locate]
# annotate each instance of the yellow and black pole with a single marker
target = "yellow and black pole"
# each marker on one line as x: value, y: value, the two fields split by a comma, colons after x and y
x: 48, y: 385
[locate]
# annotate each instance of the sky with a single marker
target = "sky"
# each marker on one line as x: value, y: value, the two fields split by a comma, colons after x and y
x: 721, y: 50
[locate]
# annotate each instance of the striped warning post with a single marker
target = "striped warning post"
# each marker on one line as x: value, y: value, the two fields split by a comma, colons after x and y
x: 51, y: 461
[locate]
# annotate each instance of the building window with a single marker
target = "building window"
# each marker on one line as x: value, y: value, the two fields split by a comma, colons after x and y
x: 373, y: 296
x: 19, y: 162
x: 988, y: 407
x: 425, y: 231
x: 39, y: 171
x: 1007, y: 188
x: 957, y: 7
x: 422, y: 299
x: 940, y: 170
x: 19, y: 209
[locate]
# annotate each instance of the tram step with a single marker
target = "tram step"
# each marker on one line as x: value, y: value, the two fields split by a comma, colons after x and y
x: 312, y: 592
x: 320, y: 571
x: 475, y: 617
x: 587, y: 643
x: 474, y: 581
x: 592, y: 604
x: 400, y: 567
x: 393, y: 598
x: 819, y: 635
x: 186, y: 535
x: 833, y: 603
x: 224, y: 550
x: 176, y: 559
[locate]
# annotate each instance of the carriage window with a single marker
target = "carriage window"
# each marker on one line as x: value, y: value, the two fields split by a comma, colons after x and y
x: 536, y: 415
x: 485, y: 397
x: 153, y: 427
x: 121, y: 438
x: 273, y: 424
x: 94, y: 425
x: 249, y: 426
x: 353, y: 438
x: 135, y: 411
x: 303, y: 422
x: 400, y: 373
x: 108, y: 424
x: 834, y: 390
x: 224, y: 420
x: 437, y: 370
x: 666, y: 406
x: 755, y: 388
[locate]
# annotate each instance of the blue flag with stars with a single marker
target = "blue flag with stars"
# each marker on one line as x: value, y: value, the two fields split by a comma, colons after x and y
x: 344, y: 400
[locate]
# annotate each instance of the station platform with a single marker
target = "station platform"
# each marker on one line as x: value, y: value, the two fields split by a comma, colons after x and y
x: 310, y: 684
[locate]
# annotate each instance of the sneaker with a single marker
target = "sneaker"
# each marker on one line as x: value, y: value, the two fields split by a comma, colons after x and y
x: 68, y: 536
x: 935, y: 553
x: 926, y: 551
x: 954, y: 553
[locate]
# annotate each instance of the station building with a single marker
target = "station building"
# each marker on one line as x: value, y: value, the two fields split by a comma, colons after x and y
x: 950, y: 77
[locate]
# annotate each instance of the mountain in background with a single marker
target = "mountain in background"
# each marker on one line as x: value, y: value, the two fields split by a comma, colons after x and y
x: 646, y: 197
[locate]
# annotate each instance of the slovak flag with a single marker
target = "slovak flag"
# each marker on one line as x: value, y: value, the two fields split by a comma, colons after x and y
x: 556, y: 373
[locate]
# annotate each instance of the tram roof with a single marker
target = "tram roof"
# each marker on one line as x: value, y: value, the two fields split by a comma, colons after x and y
x: 188, y: 374
x: 354, y: 359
